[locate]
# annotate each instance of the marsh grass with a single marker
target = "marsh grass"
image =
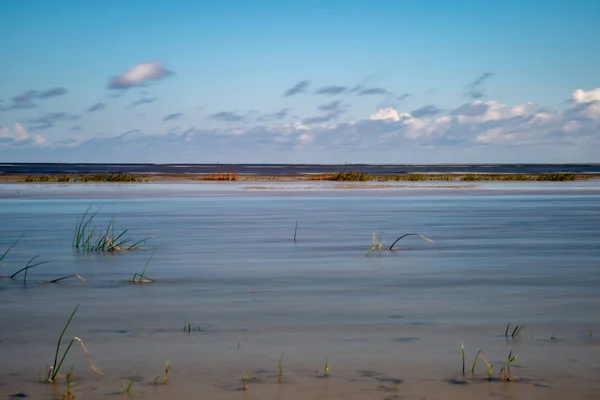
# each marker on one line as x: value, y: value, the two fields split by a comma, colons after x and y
x: 353, y: 176
x: 142, y: 278
x: 30, y: 264
x: 81, y: 278
x: 545, y: 177
x: 88, y: 239
x: 127, y: 388
x: 377, y: 244
x: 280, y: 365
x: 489, y: 368
x: 515, y: 332
x: 295, y: 231
x: 221, y: 176
x: 505, y: 372
x: 166, y: 374
x: 69, y: 394
x: 52, y: 372
x: 244, y: 381
x: 462, y: 350
x: 85, y: 178
x: 326, y: 370
x: 9, y: 249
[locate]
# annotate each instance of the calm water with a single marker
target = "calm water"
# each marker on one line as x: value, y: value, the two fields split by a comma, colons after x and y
x: 224, y: 260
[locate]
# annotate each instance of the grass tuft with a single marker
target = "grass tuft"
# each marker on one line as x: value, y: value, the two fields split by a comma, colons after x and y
x: 505, y: 372
x: 53, y: 370
x: 30, y: 264
x: 127, y: 388
x: 377, y: 244
x: 280, y: 377
x: 87, y: 239
x: 142, y: 278
x: 244, y: 381
x: 489, y: 368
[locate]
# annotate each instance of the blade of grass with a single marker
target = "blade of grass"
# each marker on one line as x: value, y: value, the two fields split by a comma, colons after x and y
x: 60, y: 339
x: 9, y: 249
x: 410, y: 234
x: 29, y: 265
x: 67, y: 277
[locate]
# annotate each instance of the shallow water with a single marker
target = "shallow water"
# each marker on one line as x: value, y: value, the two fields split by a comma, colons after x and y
x: 225, y: 261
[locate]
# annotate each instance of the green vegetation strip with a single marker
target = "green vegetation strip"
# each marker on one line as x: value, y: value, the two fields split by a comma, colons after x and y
x: 352, y: 176
x: 86, y: 178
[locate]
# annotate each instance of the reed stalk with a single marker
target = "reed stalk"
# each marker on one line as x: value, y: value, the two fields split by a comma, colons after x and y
x: 53, y: 371
x: 29, y: 265
x: 280, y: 377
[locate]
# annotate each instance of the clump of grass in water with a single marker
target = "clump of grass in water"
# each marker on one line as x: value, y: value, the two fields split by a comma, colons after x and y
x: 244, y: 381
x: 69, y: 394
x: 327, y: 366
x: 505, y: 372
x: 295, y: 231
x: 376, y: 244
x: 489, y: 369
x: 515, y: 331
x: 85, y: 238
x: 29, y: 265
x: 127, y: 389
x: 165, y: 376
x: 53, y: 370
x: 462, y: 349
x: 280, y: 378
x: 142, y: 278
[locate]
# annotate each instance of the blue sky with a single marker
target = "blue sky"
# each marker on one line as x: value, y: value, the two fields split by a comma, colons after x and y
x: 311, y: 81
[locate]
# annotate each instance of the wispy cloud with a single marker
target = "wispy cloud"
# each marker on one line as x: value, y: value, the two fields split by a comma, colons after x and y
x: 404, y: 96
x: 49, y: 120
x: 426, y: 111
x: 331, y: 90
x: 277, y: 115
x: 227, y: 116
x: 171, y: 117
x: 139, y: 75
x: 96, y: 107
x: 142, y: 100
x: 26, y: 100
x: 299, y: 87
x: 372, y: 91
x: 474, y: 90
x: 54, y: 92
x: 334, y: 105
x: 334, y: 110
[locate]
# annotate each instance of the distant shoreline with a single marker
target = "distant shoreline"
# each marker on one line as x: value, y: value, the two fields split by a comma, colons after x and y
x: 299, y: 177
x: 66, y: 172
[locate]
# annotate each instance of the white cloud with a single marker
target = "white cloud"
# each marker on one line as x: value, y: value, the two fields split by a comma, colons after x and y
x: 19, y: 136
x: 588, y: 101
x: 385, y: 114
x: 475, y: 128
x: 139, y: 75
